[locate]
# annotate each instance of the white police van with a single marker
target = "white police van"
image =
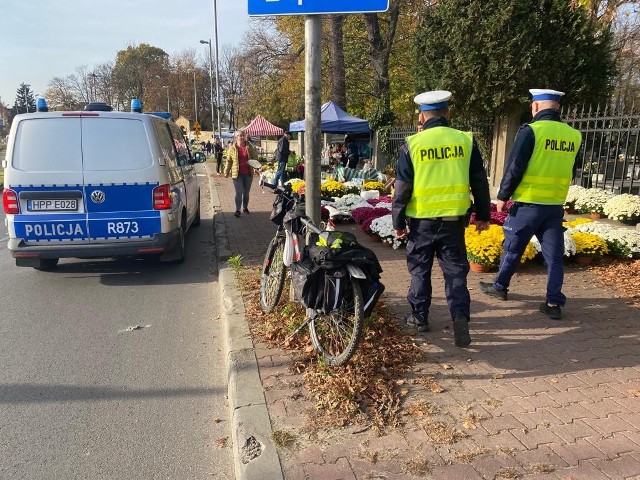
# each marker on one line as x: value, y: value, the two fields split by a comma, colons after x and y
x: 98, y: 183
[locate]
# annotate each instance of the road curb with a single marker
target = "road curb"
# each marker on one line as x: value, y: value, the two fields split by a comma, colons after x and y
x: 254, y: 452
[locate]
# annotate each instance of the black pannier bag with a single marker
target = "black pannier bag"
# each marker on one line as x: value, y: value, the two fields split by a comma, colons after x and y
x: 331, y: 252
x: 280, y: 207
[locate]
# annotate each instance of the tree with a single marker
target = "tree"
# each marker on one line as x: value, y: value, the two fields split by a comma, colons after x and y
x: 25, y: 100
x: 139, y: 68
x: 490, y: 52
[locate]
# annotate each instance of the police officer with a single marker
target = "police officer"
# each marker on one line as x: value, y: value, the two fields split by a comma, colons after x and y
x: 539, y: 171
x: 436, y: 169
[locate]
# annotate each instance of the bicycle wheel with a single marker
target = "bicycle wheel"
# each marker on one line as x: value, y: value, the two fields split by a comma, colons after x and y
x: 336, y: 334
x: 273, y: 275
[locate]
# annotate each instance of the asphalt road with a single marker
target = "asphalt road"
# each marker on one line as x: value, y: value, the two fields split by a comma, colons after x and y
x: 85, y: 395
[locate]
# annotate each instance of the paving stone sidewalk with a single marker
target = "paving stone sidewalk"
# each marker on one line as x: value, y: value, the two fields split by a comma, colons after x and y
x: 532, y: 398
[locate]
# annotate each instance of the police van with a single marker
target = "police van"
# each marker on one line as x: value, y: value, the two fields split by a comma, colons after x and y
x: 98, y: 183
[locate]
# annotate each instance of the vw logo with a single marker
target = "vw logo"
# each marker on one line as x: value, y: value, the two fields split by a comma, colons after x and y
x: 97, y: 196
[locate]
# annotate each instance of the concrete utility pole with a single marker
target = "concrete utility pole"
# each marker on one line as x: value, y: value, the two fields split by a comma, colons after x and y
x: 215, y: 30
x: 312, y: 124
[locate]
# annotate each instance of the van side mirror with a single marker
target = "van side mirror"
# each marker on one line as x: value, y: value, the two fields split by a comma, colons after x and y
x: 198, y: 157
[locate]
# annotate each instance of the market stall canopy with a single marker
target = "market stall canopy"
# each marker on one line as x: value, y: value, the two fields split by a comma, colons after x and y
x: 335, y: 120
x: 261, y: 127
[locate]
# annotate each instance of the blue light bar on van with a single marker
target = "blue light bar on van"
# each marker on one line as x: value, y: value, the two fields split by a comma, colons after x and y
x: 41, y: 105
x: 166, y: 115
x: 136, y: 105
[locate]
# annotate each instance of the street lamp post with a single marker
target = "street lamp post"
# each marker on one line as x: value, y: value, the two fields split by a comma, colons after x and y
x: 213, y: 127
x: 215, y: 30
x: 167, y: 87
x: 195, y: 96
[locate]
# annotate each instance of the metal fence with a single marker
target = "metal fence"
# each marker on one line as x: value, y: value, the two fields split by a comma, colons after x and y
x: 610, y: 153
x: 482, y: 133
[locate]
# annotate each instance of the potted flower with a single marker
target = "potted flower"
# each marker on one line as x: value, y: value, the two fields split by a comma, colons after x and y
x: 379, y: 186
x: 332, y: 188
x: 624, y: 208
x: 588, y: 247
x: 483, y: 248
x: 592, y: 201
x: 572, y: 196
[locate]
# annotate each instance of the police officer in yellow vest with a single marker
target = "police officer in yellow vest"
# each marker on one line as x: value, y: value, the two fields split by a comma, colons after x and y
x: 539, y: 171
x: 437, y: 170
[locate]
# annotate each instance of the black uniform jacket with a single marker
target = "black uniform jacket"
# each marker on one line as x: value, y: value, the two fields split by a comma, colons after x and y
x: 404, y: 181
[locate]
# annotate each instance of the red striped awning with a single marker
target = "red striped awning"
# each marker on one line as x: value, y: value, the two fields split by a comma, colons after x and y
x: 261, y: 127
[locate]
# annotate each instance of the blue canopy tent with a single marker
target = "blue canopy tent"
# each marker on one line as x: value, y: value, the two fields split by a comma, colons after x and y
x: 335, y: 120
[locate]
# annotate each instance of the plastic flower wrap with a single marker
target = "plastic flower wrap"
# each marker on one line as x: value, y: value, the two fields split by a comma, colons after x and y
x: 374, y: 186
x: 331, y: 188
x: 592, y: 200
x: 572, y: 195
x: 589, y: 244
x: 349, y: 202
x: 621, y: 242
x: 484, y: 248
x: 623, y: 208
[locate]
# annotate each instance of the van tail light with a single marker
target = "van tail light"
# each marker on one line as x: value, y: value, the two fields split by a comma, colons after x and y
x: 10, y: 202
x: 162, y: 198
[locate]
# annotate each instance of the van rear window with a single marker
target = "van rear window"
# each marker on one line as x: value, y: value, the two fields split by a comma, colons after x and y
x: 48, y: 145
x: 115, y: 144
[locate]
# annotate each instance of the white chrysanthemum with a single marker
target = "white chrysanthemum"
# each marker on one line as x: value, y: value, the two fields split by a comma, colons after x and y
x: 572, y: 195
x: 621, y: 242
x: 592, y: 200
x: 623, y: 208
x: 569, y: 244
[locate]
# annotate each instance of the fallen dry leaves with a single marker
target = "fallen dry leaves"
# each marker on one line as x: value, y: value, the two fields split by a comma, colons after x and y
x: 622, y: 275
x: 369, y: 389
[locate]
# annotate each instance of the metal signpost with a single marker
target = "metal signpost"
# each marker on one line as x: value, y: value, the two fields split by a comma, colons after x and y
x: 312, y: 9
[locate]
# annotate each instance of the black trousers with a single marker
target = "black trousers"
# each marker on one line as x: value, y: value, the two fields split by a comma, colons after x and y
x: 444, y: 240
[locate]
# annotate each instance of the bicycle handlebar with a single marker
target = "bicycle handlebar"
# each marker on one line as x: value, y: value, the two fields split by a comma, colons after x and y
x: 307, y: 222
x: 303, y: 218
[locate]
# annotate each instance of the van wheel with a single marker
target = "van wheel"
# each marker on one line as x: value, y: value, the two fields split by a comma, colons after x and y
x: 179, y: 252
x: 47, y: 264
x: 196, y: 220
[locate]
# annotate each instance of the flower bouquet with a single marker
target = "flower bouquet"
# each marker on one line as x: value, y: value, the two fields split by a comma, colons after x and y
x: 589, y: 245
x: 624, y: 208
x: 592, y: 200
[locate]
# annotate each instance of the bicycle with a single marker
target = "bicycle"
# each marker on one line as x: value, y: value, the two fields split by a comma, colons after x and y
x: 330, y: 287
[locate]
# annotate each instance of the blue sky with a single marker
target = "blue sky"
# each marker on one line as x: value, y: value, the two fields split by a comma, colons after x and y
x: 42, y: 39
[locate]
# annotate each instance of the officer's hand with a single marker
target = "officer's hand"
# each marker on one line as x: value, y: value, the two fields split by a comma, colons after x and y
x: 480, y: 226
x: 500, y: 205
x: 401, y: 233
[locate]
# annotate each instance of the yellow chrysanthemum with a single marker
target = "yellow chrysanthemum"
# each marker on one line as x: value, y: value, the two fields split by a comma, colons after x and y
x: 589, y: 244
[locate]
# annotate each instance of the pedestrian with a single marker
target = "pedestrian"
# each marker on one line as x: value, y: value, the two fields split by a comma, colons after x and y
x: 353, y: 156
x: 241, y: 172
x: 539, y: 170
x: 209, y: 147
x: 218, y: 151
x: 437, y: 169
x: 282, y: 157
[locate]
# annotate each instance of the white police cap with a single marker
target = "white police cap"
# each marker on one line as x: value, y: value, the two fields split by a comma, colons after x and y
x: 546, y: 94
x: 433, y: 100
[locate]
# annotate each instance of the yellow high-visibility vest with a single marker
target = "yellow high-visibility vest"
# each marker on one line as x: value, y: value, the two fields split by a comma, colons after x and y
x: 441, y: 157
x: 548, y: 175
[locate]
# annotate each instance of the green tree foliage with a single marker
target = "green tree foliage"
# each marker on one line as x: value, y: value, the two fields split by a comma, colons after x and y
x: 490, y: 52
x: 25, y: 100
x: 137, y: 68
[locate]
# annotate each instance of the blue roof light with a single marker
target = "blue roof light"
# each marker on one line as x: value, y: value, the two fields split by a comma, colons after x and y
x: 41, y: 105
x: 166, y: 115
x: 136, y: 105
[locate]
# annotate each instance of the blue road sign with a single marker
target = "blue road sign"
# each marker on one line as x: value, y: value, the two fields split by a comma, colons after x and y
x: 311, y: 7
